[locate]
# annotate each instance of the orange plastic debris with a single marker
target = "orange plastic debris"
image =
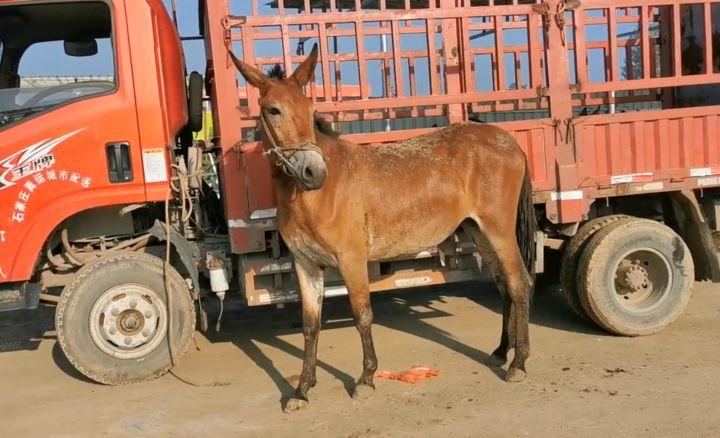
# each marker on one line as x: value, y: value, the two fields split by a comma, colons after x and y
x: 413, y: 375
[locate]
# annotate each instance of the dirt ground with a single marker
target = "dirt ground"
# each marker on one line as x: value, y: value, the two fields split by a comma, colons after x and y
x: 582, y: 382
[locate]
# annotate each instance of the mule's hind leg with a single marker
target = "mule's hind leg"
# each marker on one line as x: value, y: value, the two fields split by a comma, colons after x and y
x: 355, y: 274
x: 500, y: 235
x: 310, y: 278
x: 507, y: 335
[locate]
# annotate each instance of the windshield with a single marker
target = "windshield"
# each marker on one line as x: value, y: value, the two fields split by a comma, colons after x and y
x: 60, y: 52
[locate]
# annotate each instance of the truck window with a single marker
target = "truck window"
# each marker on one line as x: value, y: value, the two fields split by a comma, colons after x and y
x: 61, y: 52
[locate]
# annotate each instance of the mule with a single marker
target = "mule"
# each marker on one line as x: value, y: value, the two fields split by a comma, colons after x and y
x: 343, y: 205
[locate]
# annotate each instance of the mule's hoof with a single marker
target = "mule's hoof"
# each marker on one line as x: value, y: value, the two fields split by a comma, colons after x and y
x: 294, y: 405
x: 363, y: 392
x: 515, y: 375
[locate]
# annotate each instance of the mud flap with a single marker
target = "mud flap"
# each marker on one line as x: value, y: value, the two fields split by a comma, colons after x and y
x: 694, y: 229
x: 18, y: 296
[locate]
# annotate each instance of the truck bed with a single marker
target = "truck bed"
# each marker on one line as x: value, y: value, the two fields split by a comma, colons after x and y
x: 602, y: 106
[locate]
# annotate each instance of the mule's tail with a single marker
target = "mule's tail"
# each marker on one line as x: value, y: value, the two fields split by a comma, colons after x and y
x: 527, y: 225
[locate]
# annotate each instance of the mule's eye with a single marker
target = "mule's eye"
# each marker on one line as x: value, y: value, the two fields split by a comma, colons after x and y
x: 274, y: 111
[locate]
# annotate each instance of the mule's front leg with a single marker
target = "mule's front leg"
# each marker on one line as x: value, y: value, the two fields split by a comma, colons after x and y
x: 310, y: 278
x: 355, y: 275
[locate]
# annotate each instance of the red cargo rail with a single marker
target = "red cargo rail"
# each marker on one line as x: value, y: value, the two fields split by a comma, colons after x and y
x: 546, y: 74
x: 598, y: 93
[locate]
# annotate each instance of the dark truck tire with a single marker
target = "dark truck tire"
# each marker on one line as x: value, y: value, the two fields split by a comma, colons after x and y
x: 635, y: 277
x: 571, y: 256
x: 112, y: 320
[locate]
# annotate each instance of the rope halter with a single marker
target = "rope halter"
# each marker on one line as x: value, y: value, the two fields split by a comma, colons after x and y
x: 283, y: 154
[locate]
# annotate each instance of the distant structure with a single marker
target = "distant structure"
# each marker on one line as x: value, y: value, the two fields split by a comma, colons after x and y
x: 49, y: 81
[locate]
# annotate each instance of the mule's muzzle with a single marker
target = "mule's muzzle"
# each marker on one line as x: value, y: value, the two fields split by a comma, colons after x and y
x: 310, y: 170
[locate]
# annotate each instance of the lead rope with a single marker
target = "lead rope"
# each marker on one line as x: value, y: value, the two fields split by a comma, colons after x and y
x: 170, y: 302
x: 286, y: 166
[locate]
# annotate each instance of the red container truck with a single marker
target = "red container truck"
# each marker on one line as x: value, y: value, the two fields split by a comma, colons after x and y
x: 104, y: 193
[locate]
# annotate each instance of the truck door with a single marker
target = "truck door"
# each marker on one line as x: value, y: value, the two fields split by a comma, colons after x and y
x: 68, y: 126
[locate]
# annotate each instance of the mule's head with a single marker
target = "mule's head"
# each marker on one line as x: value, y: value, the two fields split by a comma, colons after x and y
x: 288, y: 120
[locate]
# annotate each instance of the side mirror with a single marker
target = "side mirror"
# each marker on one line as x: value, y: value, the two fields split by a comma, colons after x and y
x: 81, y: 48
x: 195, y: 101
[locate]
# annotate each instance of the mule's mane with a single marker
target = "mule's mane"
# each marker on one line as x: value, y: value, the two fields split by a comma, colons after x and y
x: 322, y: 125
x: 277, y: 72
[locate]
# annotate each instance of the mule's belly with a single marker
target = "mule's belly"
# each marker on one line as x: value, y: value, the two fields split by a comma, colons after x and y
x: 408, y: 238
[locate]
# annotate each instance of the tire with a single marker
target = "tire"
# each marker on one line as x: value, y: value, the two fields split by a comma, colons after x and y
x: 117, y: 299
x: 635, y: 277
x: 571, y: 256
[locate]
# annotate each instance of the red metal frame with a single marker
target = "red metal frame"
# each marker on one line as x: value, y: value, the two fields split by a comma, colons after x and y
x: 573, y: 159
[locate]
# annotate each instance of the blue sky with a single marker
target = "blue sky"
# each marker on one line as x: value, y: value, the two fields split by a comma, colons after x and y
x: 48, y: 59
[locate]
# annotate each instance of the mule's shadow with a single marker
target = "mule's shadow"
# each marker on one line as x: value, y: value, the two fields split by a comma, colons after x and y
x: 392, y: 310
x: 406, y: 311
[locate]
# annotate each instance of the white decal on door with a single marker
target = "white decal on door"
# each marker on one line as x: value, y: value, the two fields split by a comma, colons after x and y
x: 50, y: 176
x: 29, y: 161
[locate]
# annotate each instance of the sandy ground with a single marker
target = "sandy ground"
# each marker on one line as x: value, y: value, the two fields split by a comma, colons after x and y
x: 582, y: 381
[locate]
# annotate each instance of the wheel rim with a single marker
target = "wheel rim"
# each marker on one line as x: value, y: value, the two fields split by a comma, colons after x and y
x: 128, y: 321
x: 642, y: 280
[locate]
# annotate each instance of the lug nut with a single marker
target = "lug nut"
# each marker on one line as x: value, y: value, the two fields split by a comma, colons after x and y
x: 133, y: 304
x: 148, y: 314
x: 112, y: 330
x: 146, y: 333
x: 128, y: 341
x: 115, y: 311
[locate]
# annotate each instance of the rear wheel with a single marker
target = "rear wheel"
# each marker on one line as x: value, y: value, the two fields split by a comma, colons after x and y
x: 635, y: 277
x: 112, y: 320
x: 571, y: 256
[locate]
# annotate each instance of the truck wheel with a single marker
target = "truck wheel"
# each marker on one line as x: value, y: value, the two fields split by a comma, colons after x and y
x: 571, y: 257
x: 112, y: 320
x: 635, y: 277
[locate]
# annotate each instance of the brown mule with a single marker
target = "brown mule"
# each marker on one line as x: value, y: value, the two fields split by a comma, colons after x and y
x: 342, y: 205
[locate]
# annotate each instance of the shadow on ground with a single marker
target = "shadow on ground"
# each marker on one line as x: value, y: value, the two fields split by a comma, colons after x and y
x: 407, y: 311
x: 23, y: 330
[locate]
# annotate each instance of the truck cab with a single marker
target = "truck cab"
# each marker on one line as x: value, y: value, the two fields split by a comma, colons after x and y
x: 73, y: 152
x: 93, y: 101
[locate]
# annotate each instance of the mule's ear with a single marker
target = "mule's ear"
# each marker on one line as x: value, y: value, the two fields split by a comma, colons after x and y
x: 305, y: 72
x: 255, y: 77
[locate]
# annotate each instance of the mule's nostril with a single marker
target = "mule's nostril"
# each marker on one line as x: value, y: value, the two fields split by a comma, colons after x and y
x: 308, y: 173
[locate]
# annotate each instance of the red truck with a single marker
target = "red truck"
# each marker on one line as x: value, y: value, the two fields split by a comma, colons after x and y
x: 105, y: 196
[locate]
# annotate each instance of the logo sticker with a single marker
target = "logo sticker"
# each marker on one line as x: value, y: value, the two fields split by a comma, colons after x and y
x: 29, y: 161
